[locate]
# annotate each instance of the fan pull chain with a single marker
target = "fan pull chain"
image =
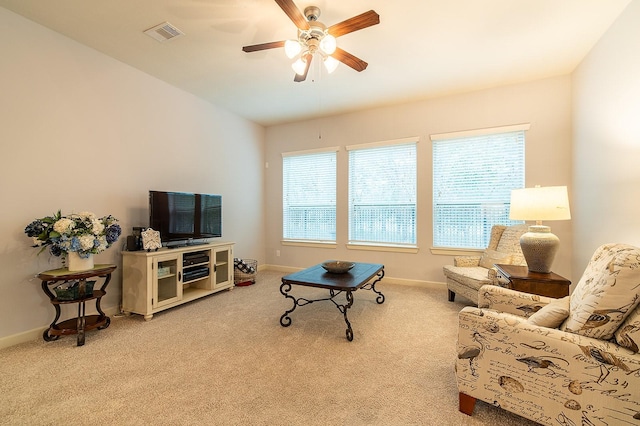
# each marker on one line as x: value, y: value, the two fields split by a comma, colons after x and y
x: 318, y: 73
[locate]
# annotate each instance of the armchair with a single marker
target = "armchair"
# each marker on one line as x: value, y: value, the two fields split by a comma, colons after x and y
x: 586, y: 372
x: 469, y: 273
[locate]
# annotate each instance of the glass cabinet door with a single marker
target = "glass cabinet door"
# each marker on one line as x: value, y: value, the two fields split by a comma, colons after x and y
x: 167, y: 287
x: 223, y: 266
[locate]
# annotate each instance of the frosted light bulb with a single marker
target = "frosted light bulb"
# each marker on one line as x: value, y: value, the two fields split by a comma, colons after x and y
x: 291, y: 48
x: 328, y: 44
x: 331, y: 64
x: 299, y: 66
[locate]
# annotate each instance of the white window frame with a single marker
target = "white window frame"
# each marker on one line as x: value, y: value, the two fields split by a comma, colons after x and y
x: 295, y: 238
x: 495, y: 210
x: 379, y: 244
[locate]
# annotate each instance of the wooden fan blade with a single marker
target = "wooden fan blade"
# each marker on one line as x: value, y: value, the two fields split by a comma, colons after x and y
x: 356, y: 23
x: 263, y: 46
x: 350, y: 60
x: 294, y: 13
x: 298, y: 78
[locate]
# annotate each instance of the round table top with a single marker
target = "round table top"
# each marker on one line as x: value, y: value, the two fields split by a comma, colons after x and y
x: 64, y: 274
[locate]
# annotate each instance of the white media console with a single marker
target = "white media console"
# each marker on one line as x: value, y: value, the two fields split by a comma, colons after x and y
x: 158, y: 280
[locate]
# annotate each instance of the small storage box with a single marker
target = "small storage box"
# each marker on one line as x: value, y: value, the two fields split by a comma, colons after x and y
x: 163, y: 271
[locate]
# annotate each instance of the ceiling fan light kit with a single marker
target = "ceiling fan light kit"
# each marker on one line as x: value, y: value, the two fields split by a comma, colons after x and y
x: 315, y: 38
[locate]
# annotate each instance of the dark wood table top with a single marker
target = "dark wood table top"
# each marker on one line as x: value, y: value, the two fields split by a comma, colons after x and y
x: 317, y: 276
x: 522, y: 272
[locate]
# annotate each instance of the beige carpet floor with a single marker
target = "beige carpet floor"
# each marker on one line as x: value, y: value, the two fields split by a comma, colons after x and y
x: 226, y: 360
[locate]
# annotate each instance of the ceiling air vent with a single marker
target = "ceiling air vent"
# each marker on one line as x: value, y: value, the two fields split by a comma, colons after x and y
x: 163, y: 32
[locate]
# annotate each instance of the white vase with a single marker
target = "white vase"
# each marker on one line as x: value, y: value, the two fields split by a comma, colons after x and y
x: 77, y: 263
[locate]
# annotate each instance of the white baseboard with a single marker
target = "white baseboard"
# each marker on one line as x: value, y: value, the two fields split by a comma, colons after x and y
x: 387, y: 279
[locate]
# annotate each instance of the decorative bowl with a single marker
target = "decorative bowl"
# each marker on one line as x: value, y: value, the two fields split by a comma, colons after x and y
x: 337, y: 266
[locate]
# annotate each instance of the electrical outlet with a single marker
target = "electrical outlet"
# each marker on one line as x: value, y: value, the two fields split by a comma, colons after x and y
x: 277, y: 253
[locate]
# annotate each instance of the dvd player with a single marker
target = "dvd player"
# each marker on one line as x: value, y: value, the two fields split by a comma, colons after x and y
x: 194, y: 260
x: 195, y: 254
x: 195, y: 273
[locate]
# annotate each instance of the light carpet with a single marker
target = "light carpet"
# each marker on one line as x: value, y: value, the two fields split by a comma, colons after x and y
x: 226, y: 360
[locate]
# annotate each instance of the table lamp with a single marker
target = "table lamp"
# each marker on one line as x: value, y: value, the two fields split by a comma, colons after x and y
x: 539, y: 245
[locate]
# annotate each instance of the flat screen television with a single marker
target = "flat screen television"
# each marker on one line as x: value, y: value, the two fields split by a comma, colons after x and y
x: 185, y: 218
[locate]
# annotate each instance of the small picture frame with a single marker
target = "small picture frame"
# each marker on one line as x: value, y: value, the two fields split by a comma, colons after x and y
x: 151, y: 240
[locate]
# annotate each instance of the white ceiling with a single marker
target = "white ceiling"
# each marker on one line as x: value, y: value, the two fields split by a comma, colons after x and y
x: 420, y: 49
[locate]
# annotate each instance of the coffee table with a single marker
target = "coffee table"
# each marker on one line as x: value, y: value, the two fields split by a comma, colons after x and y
x: 316, y: 276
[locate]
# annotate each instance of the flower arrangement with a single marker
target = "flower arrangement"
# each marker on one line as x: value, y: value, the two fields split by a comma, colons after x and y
x: 82, y: 233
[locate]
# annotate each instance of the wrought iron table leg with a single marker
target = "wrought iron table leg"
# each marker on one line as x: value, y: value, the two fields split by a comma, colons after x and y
x: 380, y: 298
x: 285, y: 319
x: 372, y: 286
x: 45, y: 335
x: 81, y: 322
x: 343, y: 309
x: 99, y: 299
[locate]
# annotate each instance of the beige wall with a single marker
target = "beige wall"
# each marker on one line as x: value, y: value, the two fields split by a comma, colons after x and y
x: 545, y: 104
x: 606, y: 153
x: 82, y: 131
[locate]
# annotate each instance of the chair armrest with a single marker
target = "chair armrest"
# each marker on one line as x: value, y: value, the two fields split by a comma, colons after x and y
x: 554, y: 374
x: 517, y: 325
x: 466, y: 261
x: 511, y: 301
x: 492, y: 274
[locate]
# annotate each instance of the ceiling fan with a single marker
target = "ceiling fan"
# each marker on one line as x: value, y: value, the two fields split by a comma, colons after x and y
x: 314, y: 37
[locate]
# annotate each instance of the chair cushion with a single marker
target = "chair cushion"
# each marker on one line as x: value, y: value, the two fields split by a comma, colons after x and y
x: 608, y: 291
x: 628, y: 335
x: 491, y: 257
x: 471, y: 276
x: 551, y: 315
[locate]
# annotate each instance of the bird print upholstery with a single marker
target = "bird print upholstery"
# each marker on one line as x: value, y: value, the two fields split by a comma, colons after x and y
x: 607, y: 293
x: 571, y: 375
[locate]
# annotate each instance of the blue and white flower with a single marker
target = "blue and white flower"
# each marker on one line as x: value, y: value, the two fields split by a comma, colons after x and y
x: 82, y: 233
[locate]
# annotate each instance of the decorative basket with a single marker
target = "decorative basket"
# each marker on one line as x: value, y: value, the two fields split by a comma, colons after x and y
x: 71, y: 290
x: 244, y: 271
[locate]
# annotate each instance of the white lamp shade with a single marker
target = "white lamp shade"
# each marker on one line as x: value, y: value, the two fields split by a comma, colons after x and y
x: 291, y: 48
x: 540, y: 203
x: 331, y: 64
x: 328, y: 44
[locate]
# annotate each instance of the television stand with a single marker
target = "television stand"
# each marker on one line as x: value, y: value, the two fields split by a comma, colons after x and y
x: 159, y: 280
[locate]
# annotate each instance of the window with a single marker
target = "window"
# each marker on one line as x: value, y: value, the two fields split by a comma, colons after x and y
x: 309, y: 195
x: 382, y: 193
x: 473, y: 175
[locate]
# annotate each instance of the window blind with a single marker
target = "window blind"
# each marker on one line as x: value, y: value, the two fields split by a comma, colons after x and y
x: 382, y: 194
x: 309, y: 196
x: 472, y: 181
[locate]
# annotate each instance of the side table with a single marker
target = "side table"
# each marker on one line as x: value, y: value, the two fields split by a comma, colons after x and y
x: 521, y: 279
x: 82, y: 322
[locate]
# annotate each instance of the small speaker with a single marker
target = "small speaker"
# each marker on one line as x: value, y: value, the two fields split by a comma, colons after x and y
x: 132, y: 243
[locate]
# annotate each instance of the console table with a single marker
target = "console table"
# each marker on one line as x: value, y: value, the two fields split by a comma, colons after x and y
x: 82, y: 322
x: 521, y: 279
